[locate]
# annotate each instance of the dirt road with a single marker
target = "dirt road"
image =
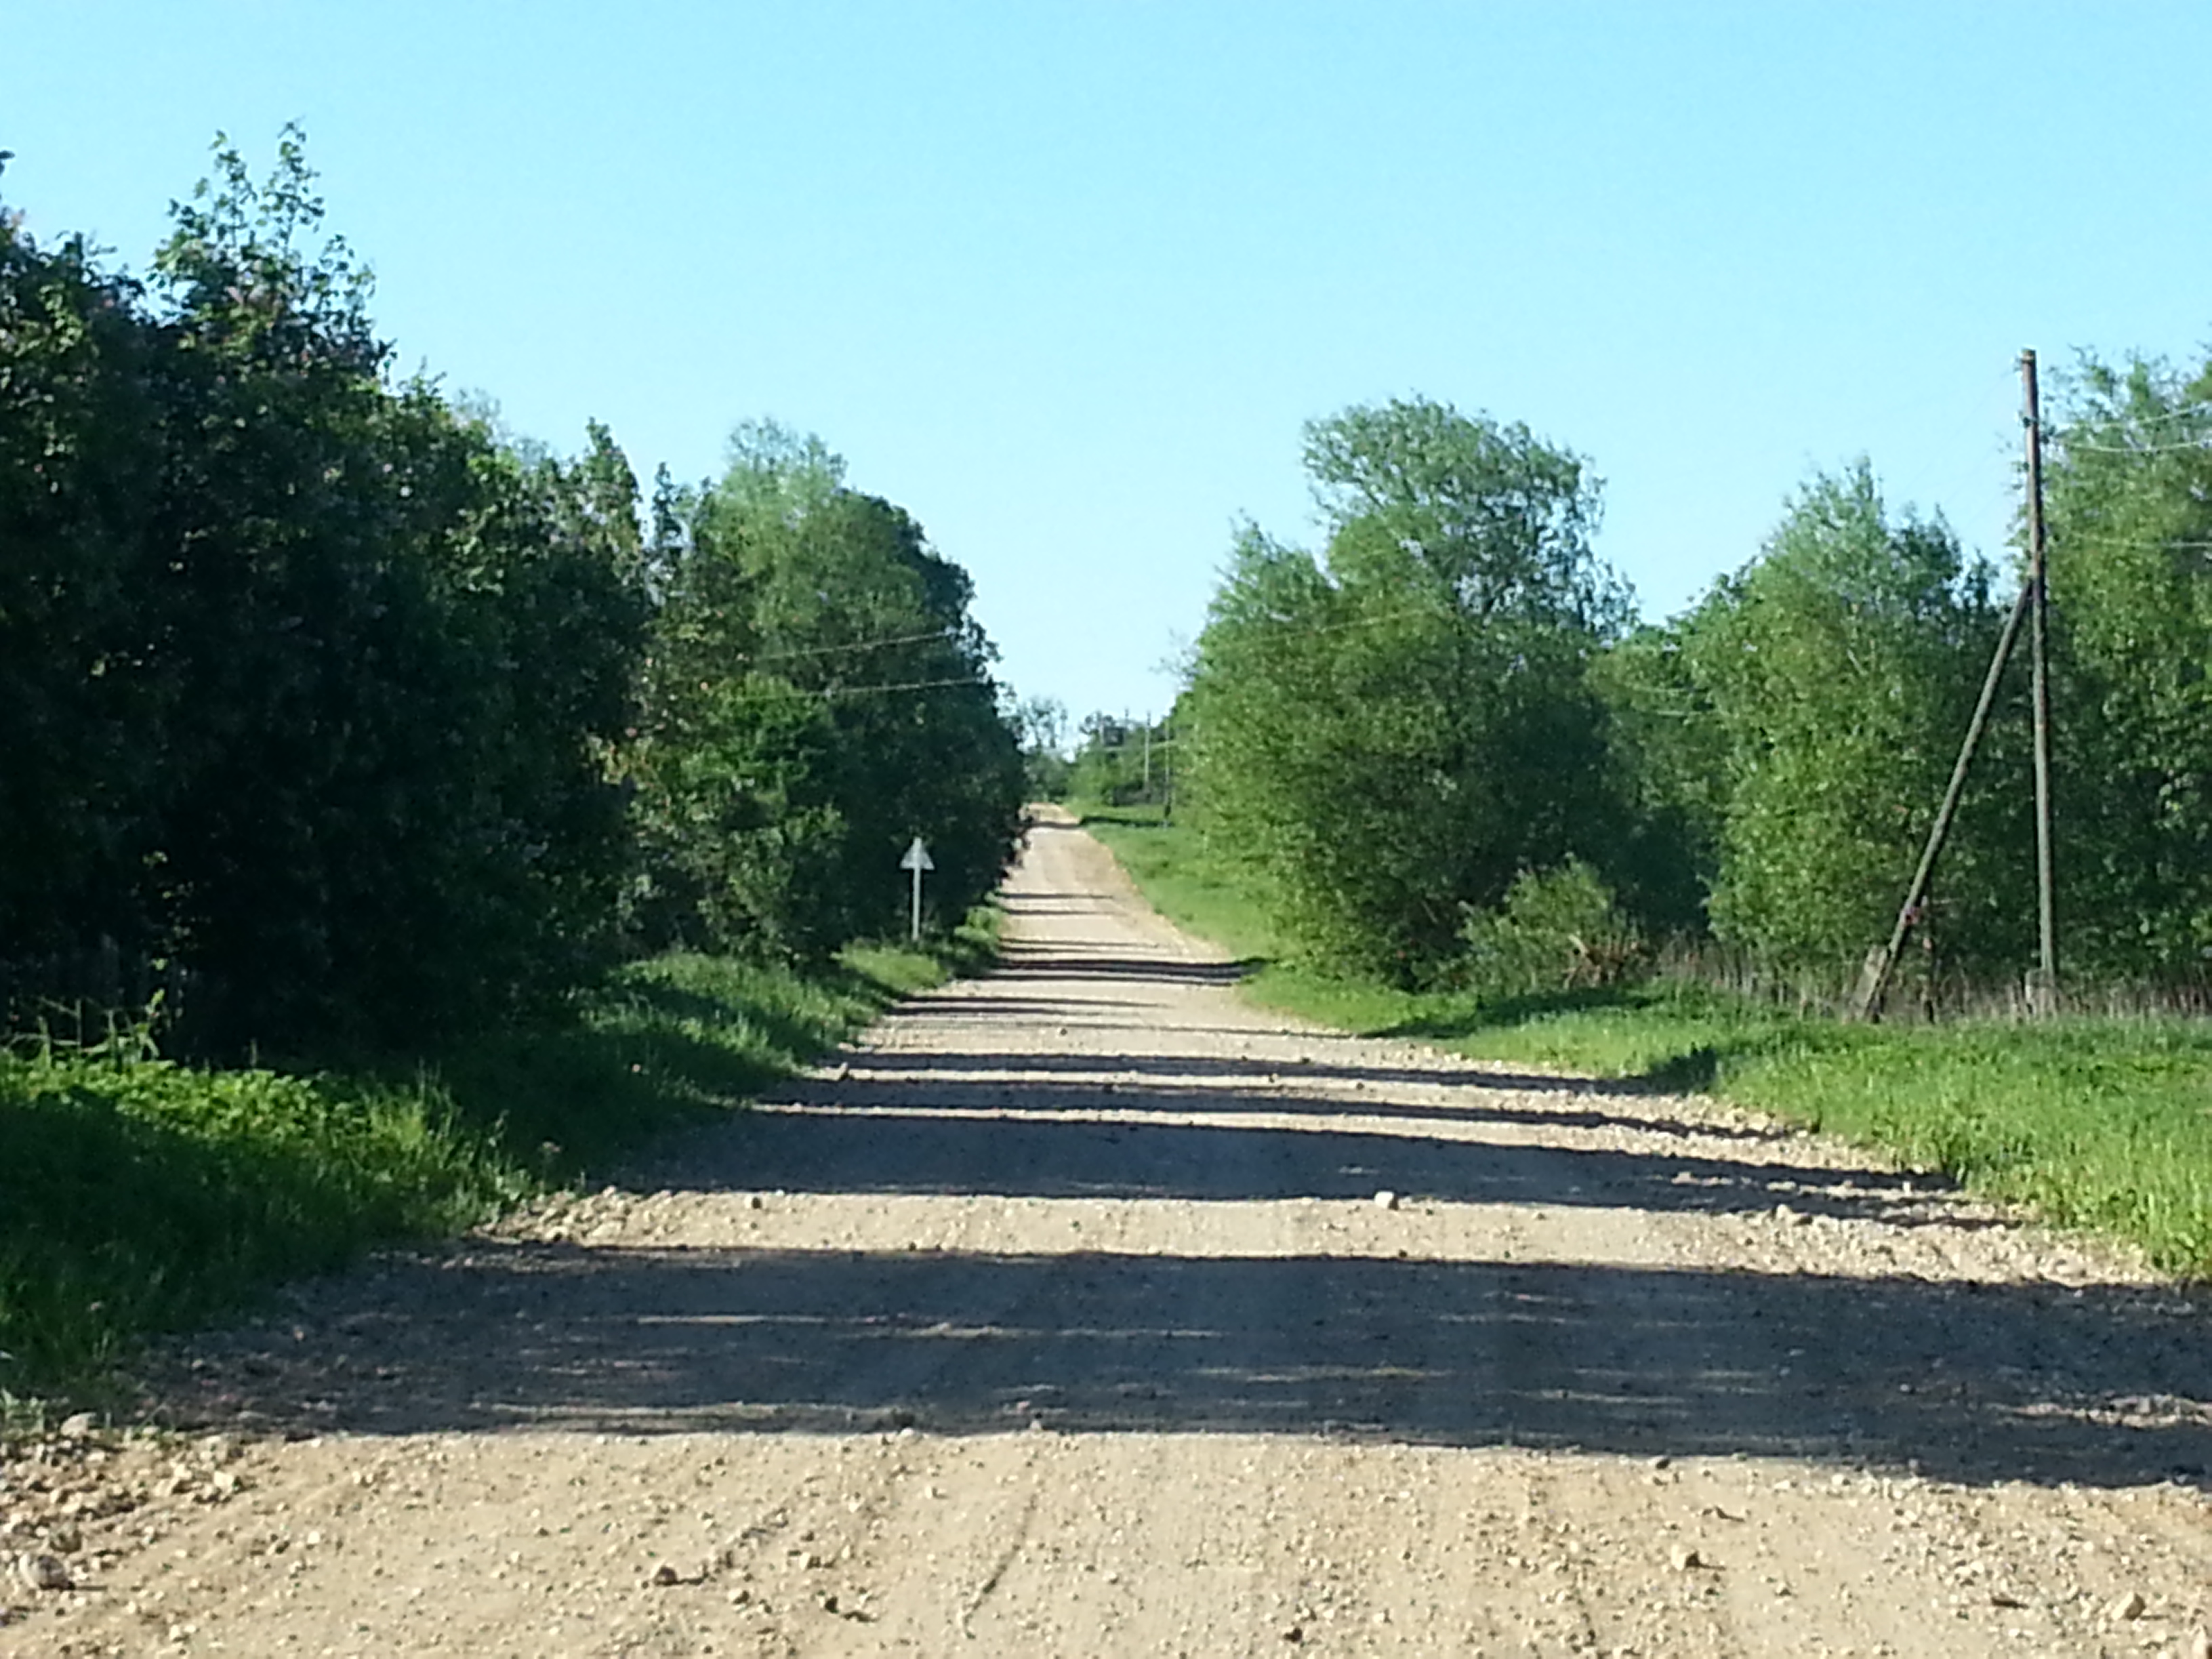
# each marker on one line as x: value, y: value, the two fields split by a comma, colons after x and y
x: 1085, y: 1311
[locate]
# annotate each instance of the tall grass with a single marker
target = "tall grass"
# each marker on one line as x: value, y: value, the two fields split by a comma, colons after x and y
x: 2101, y: 1122
x: 139, y: 1196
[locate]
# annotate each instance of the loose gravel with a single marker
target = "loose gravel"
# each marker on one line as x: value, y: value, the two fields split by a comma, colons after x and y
x: 1086, y: 1309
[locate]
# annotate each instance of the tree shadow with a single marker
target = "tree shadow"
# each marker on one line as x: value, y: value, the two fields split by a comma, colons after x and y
x: 1030, y: 964
x: 1969, y: 1383
x: 1028, y: 1142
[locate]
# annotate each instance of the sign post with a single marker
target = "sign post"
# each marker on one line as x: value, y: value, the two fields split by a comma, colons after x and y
x: 917, y: 860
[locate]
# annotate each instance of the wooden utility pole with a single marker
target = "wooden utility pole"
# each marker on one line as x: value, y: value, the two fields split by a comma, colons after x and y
x: 1874, y: 979
x: 2043, y: 987
x: 2034, y: 604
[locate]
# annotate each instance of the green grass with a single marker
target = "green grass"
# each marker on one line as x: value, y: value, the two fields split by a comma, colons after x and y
x: 137, y: 1195
x: 2099, y: 1123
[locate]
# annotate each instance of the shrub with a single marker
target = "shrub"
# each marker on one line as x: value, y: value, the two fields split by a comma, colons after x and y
x: 1558, y: 930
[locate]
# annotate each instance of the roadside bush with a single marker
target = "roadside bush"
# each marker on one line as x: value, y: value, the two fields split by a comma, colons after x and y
x: 1558, y: 930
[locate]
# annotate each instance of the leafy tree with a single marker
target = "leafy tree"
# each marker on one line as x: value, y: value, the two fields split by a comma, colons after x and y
x: 1042, y: 723
x: 818, y: 694
x: 1123, y: 762
x: 79, y: 470
x: 1668, y: 756
x: 1390, y: 733
x: 2130, y: 504
x: 1840, y: 668
x: 322, y: 680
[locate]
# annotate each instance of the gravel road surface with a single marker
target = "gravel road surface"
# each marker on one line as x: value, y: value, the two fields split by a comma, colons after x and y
x: 1084, y: 1309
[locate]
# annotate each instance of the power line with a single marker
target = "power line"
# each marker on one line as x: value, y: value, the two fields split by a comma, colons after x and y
x: 851, y: 645
x: 2072, y: 445
x: 2187, y: 544
x: 829, y: 693
x: 2186, y: 411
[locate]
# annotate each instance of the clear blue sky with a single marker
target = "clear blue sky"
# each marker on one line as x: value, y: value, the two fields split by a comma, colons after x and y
x: 1064, y: 279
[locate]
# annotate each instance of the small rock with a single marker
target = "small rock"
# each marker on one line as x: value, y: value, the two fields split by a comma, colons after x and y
x: 2199, y: 1645
x: 1683, y: 1558
x: 1386, y: 1200
x: 1786, y: 1216
x: 664, y: 1575
x: 1295, y: 1634
x: 2130, y: 1606
x: 226, y: 1482
x: 78, y: 1427
x: 753, y: 1201
x: 43, y: 1572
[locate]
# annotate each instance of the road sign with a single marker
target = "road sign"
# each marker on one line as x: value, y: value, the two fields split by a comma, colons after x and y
x: 917, y: 860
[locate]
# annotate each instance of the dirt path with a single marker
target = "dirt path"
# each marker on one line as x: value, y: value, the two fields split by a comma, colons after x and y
x: 1085, y: 1311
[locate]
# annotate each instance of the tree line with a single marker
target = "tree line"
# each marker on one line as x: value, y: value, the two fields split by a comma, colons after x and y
x: 324, y: 699
x: 1449, y: 752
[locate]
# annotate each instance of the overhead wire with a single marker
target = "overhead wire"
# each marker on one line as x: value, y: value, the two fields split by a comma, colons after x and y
x: 830, y: 693
x: 2078, y: 445
x: 850, y: 645
x: 2185, y: 411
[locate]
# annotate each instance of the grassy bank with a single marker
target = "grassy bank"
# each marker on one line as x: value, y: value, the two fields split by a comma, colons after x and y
x: 137, y: 1195
x: 2096, y: 1122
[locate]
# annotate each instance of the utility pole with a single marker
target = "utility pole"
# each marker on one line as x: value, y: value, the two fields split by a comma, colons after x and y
x: 1167, y: 767
x: 1875, y: 979
x: 1148, y: 756
x: 2033, y: 606
x: 2043, y: 987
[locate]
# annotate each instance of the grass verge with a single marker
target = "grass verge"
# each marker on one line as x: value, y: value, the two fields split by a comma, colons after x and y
x: 2094, y: 1122
x: 137, y: 1195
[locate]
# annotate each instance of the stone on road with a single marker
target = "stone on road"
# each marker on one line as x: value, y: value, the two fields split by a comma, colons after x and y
x: 1086, y: 1309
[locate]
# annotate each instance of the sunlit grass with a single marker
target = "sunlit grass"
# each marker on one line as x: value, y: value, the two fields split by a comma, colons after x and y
x: 137, y: 1195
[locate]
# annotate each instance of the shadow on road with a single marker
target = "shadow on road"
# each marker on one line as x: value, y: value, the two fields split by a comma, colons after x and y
x: 2100, y: 1384
x: 1025, y: 1149
x: 1960, y: 1379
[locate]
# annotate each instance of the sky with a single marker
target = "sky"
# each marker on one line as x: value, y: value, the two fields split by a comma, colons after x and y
x: 1065, y: 280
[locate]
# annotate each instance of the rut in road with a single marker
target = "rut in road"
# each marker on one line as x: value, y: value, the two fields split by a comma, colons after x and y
x: 1061, y: 1317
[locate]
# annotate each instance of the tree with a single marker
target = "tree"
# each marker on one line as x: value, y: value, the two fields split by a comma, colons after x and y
x: 818, y: 694
x: 318, y: 681
x: 1042, y: 723
x: 80, y: 475
x: 1840, y: 668
x: 1389, y: 734
x: 2130, y: 503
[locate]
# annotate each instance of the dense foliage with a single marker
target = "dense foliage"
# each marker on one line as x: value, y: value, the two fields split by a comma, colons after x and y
x: 817, y: 695
x: 2130, y: 515
x: 326, y: 704
x: 1837, y: 673
x: 1441, y: 729
x: 1393, y: 730
x: 1123, y: 762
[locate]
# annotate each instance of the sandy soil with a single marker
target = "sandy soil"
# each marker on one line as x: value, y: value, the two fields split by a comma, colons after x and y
x: 1084, y: 1309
